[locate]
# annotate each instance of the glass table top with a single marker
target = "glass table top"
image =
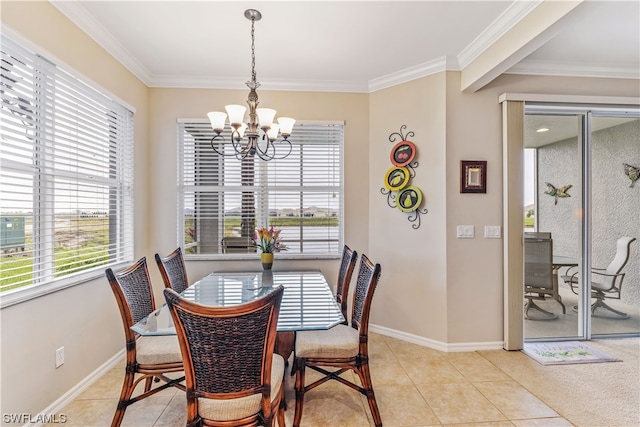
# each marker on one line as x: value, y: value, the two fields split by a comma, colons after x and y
x: 307, y: 303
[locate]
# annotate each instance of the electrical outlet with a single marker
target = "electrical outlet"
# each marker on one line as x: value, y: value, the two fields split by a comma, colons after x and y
x: 59, y: 357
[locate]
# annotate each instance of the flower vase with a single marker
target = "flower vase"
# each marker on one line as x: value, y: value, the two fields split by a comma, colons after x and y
x: 267, y: 260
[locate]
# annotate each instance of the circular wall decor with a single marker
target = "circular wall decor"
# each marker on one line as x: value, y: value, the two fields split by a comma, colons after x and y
x: 409, y: 199
x: 396, y: 178
x: 403, y: 153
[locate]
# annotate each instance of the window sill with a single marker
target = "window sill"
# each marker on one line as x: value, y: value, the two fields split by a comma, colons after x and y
x: 20, y: 295
x: 256, y: 257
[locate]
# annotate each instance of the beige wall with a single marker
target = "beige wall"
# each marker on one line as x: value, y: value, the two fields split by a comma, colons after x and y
x: 167, y: 105
x: 412, y: 293
x: 84, y: 319
x: 435, y: 288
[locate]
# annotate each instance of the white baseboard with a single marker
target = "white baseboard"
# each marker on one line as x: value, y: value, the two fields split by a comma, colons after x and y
x: 68, y: 397
x: 436, y: 345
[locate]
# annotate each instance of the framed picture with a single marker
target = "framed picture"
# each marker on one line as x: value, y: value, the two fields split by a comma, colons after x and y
x: 473, y: 176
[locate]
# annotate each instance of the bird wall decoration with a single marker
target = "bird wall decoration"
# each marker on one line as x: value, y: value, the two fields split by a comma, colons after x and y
x: 557, y: 192
x: 632, y: 172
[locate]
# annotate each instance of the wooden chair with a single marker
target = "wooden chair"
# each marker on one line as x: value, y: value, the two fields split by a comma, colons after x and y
x: 344, y: 347
x: 605, y: 282
x: 347, y: 266
x: 173, y: 271
x: 151, y: 356
x: 233, y: 377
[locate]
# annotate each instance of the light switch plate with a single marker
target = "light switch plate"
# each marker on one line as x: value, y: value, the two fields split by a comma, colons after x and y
x: 465, y: 232
x: 492, y: 232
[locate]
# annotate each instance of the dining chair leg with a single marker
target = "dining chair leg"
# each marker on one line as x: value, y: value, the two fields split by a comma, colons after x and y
x: 365, y: 378
x: 299, y: 388
x: 282, y: 407
x: 123, y: 402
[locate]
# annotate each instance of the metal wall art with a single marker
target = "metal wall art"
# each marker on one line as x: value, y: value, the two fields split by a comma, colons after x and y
x: 400, y: 195
x: 557, y: 192
x: 632, y: 172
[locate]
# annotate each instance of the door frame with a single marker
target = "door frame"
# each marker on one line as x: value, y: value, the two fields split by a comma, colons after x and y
x: 513, y: 106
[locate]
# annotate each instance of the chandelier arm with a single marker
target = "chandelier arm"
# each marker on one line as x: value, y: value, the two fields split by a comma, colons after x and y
x: 269, y: 151
x: 219, y: 138
x: 285, y: 147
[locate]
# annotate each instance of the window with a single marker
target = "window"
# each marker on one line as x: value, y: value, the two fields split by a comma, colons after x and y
x: 223, y: 197
x: 66, y: 170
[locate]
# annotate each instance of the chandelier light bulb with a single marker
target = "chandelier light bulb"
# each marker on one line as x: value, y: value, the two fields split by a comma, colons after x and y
x: 236, y: 113
x: 286, y: 125
x: 217, y: 120
x: 265, y: 117
x: 272, y: 133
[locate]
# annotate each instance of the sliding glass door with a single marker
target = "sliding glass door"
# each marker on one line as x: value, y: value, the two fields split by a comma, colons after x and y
x: 580, y: 195
x: 553, y: 219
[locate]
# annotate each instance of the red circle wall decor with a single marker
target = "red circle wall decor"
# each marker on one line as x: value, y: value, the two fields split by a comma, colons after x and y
x: 403, y: 153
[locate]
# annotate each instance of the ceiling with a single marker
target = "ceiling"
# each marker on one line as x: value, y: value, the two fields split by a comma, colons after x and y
x: 353, y: 46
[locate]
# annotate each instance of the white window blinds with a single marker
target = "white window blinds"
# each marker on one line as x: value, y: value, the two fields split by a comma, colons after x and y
x: 302, y: 194
x: 66, y: 173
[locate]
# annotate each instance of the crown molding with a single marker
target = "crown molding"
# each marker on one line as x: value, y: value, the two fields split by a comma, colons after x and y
x: 445, y: 63
x: 566, y: 69
x: 79, y: 16
x: 200, y: 82
x: 498, y: 28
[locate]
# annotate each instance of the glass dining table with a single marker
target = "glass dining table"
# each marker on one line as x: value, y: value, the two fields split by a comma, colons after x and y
x: 307, y: 302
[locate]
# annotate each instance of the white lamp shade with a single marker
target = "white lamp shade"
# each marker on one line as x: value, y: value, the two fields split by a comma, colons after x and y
x: 266, y: 116
x: 286, y: 125
x: 272, y: 133
x: 236, y: 113
x: 241, y: 129
x: 217, y: 120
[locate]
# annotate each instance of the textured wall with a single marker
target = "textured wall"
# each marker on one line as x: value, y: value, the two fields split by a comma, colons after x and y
x: 615, y: 205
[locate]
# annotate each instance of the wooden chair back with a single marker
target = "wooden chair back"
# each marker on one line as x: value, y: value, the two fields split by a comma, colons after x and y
x: 347, y: 267
x: 173, y: 270
x: 366, y: 283
x: 134, y: 294
x: 227, y: 351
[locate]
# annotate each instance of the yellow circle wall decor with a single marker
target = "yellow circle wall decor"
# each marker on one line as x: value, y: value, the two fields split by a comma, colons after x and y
x: 396, y: 178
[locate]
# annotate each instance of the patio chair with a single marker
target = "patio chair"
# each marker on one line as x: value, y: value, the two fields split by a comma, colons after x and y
x: 238, y: 245
x: 151, y: 356
x: 344, y: 347
x: 233, y: 376
x: 605, y: 282
x: 539, y: 280
x: 173, y: 271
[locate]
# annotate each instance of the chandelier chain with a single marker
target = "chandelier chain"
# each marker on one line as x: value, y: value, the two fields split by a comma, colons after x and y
x: 253, y: 50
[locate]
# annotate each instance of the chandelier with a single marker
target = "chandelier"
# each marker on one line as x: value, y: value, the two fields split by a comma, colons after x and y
x: 265, y: 145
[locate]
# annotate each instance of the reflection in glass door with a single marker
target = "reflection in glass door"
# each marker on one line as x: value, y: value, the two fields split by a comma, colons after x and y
x: 615, y: 208
x: 581, y: 193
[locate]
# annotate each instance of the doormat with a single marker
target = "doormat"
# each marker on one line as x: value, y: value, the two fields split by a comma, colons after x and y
x: 566, y: 352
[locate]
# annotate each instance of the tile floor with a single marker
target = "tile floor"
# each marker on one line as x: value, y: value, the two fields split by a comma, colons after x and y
x: 414, y: 385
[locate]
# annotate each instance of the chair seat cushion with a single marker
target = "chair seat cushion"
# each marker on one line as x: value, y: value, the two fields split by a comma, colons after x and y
x: 156, y: 350
x: 235, y: 409
x: 341, y: 341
